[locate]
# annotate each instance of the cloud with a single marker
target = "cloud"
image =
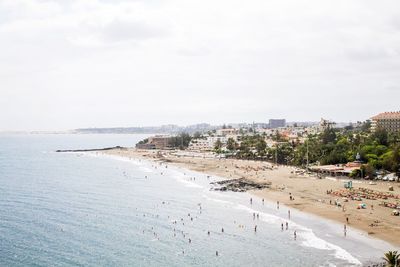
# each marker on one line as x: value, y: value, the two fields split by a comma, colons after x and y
x: 215, y: 60
x: 117, y: 32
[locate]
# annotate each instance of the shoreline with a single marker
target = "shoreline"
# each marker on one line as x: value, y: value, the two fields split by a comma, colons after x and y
x: 309, y: 193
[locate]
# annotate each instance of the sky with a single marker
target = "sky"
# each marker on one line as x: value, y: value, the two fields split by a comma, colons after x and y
x: 67, y: 64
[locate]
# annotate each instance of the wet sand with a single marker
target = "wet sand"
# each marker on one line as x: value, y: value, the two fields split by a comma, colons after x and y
x: 309, y: 193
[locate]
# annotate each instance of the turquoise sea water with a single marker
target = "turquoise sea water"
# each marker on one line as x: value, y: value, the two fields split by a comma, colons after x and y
x: 77, y: 209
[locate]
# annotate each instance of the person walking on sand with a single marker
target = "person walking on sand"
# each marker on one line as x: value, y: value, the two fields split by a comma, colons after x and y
x: 277, y: 205
x: 263, y: 201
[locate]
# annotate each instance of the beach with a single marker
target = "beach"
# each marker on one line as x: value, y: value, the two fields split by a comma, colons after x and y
x: 300, y: 192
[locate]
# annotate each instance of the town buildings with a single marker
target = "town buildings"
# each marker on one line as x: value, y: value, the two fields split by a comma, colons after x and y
x: 276, y: 123
x: 156, y: 142
x: 390, y: 121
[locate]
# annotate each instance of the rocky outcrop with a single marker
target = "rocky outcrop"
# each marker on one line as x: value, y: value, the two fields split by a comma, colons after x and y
x: 239, y: 185
x: 91, y: 150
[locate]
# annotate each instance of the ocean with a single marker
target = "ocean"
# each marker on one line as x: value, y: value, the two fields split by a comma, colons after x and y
x: 88, y: 209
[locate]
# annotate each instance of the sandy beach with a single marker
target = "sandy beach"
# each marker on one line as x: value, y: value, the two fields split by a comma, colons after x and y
x: 309, y: 193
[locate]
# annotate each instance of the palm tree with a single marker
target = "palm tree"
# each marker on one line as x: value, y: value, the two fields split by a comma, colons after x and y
x: 392, y: 258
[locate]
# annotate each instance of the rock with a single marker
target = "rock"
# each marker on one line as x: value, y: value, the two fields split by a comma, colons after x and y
x: 239, y: 185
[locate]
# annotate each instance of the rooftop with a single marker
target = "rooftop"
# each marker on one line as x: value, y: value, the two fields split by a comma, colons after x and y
x: 387, y: 115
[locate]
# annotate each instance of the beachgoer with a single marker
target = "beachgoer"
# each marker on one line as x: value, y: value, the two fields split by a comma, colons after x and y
x: 295, y: 235
x: 208, y: 233
x: 263, y: 201
x: 258, y: 216
x: 216, y: 253
x: 288, y: 214
x: 251, y: 201
x: 347, y: 219
x: 282, y: 226
x: 222, y: 230
x: 287, y: 225
x: 277, y: 205
x: 255, y: 228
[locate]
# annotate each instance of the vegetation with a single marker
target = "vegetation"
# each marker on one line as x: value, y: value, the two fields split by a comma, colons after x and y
x: 144, y: 141
x: 180, y: 141
x: 392, y: 259
x: 378, y: 150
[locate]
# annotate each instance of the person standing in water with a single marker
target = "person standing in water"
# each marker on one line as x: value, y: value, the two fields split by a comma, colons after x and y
x: 277, y: 205
x: 287, y: 225
x: 282, y: 226
x: 251, y: 201
x: 288, y: 214
x: 255, y: 229
x: 295, y: 235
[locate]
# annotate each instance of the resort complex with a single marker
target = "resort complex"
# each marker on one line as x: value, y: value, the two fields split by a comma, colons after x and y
x: 365, y: 150
x: 390, y: 121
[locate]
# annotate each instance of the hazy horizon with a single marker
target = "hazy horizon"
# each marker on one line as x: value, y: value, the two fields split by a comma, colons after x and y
x: 104, y: 63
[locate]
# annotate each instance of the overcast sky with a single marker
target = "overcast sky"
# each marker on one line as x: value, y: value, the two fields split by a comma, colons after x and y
x: 98, y: 63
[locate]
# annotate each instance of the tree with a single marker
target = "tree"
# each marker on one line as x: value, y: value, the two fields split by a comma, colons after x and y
x: 366, y: 126
x: 368, y: 170
x: 231, y: 144
x: 328, y: 136
x: 260, y: 147
x: 197, y: 135
x: 180, y: 141
x: 396, y: 160
x: 218, y: 145
x: 144, y: 141
x: 381, y: 136
x: 392, y: 258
